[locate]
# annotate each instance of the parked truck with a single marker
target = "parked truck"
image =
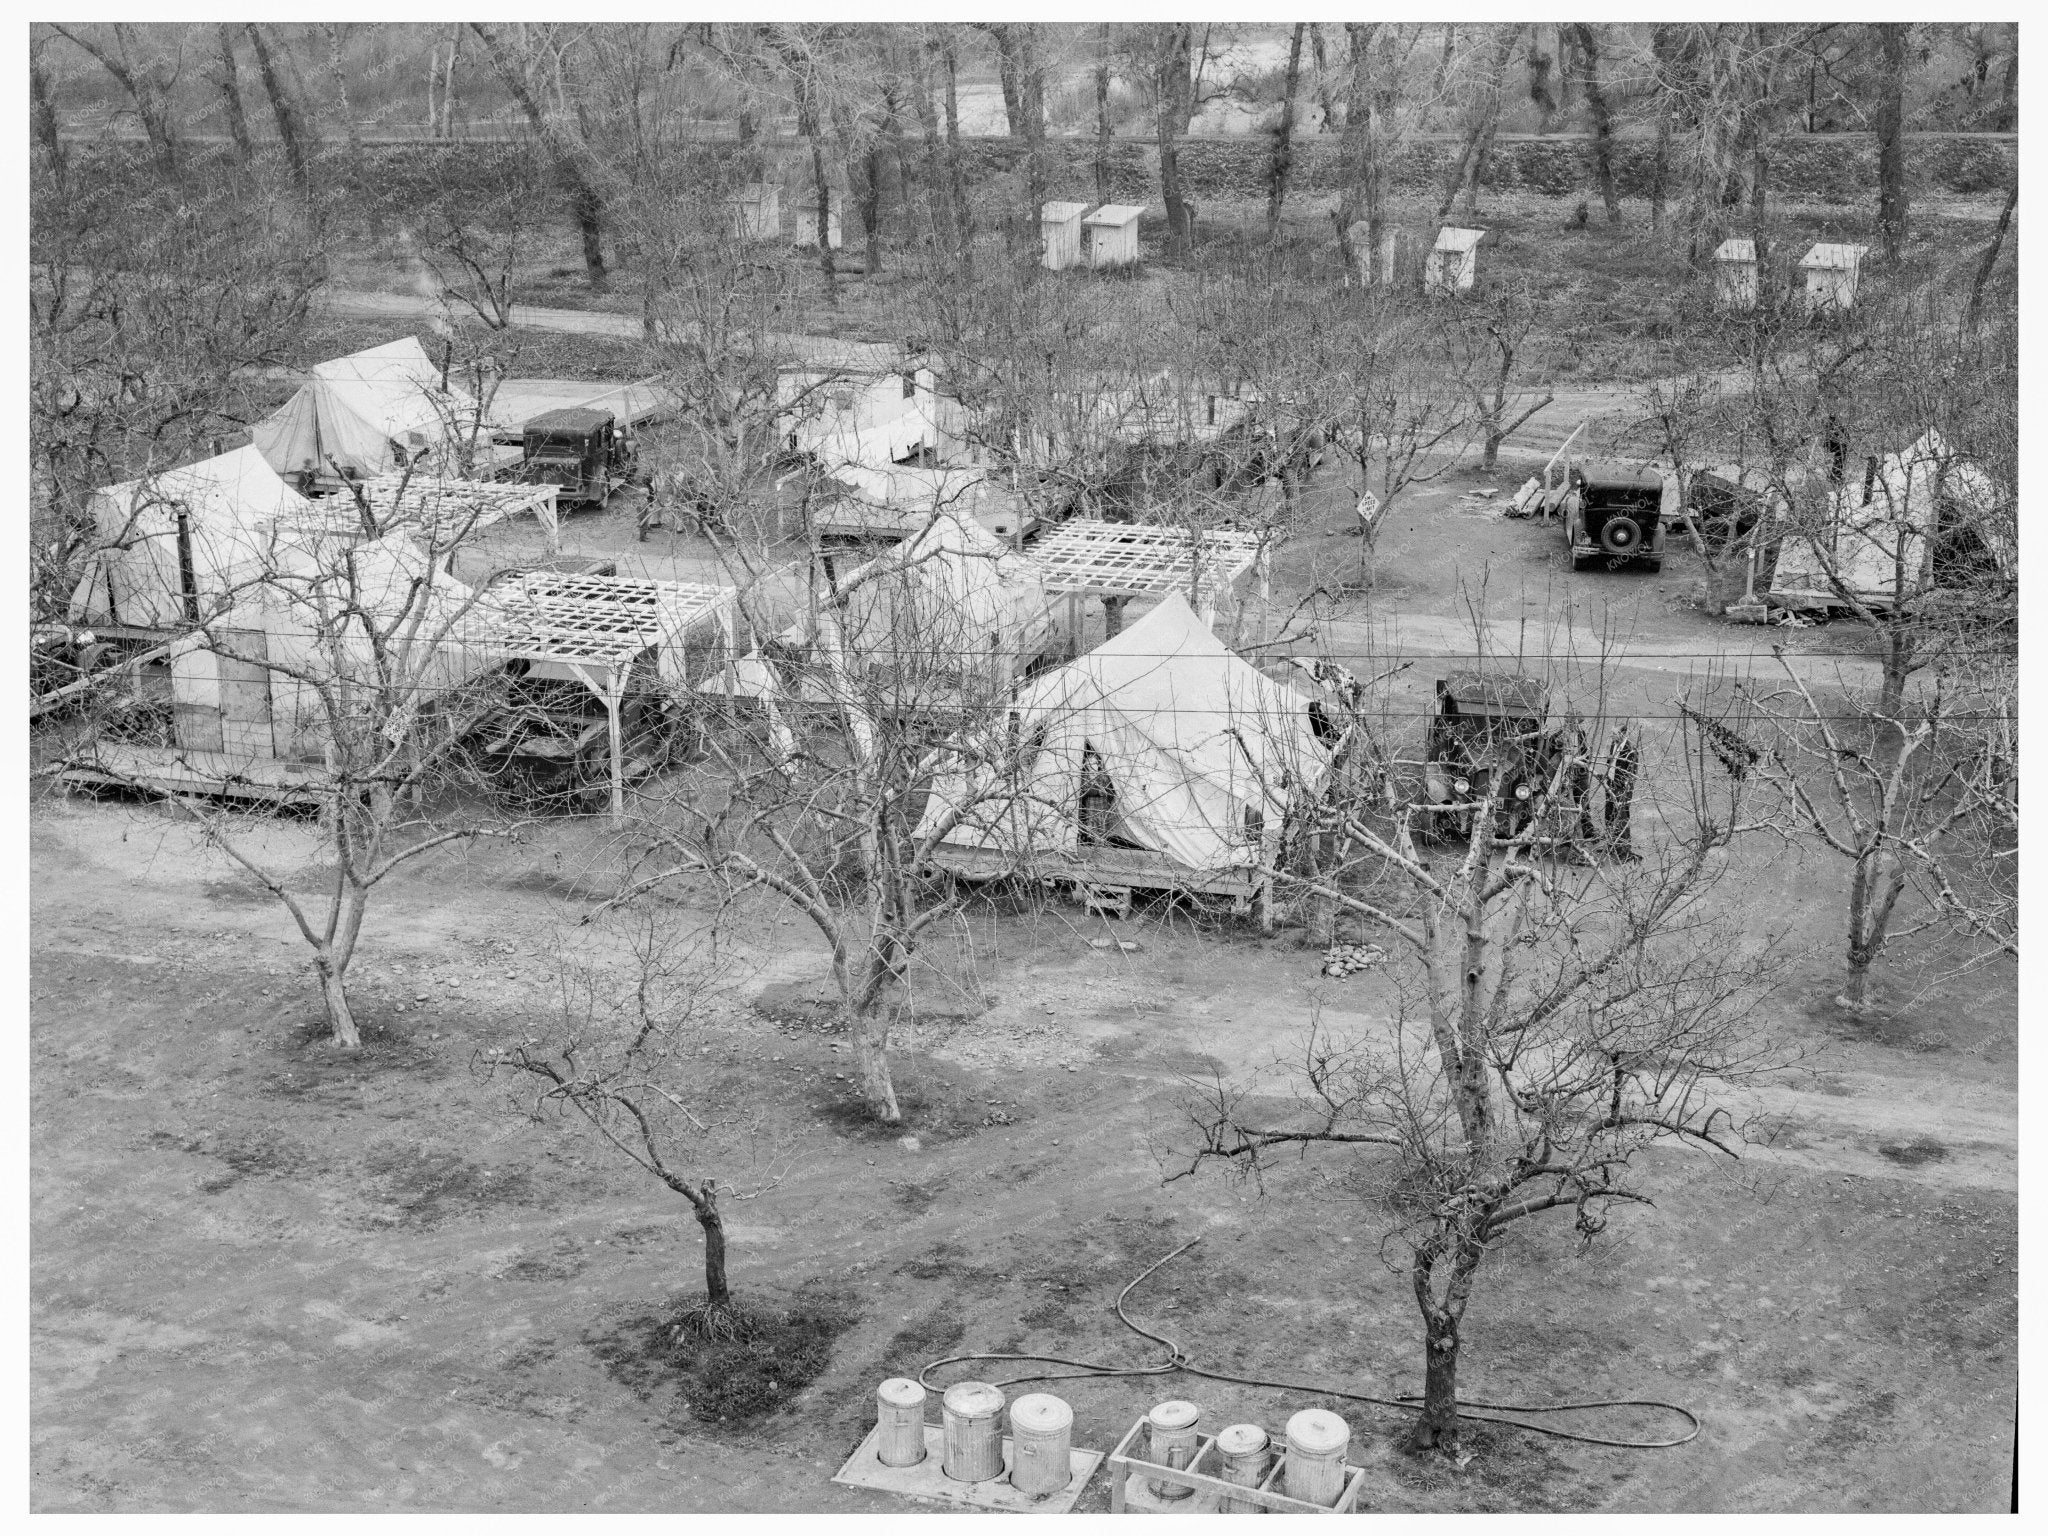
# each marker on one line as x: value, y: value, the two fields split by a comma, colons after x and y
x: 581, y: 450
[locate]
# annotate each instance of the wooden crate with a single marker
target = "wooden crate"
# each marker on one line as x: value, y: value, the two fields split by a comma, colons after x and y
x: 1123, y: 1463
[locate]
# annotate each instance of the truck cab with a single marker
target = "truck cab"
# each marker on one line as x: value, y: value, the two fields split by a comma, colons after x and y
x: 578, y: 449
x: 1615, y: 512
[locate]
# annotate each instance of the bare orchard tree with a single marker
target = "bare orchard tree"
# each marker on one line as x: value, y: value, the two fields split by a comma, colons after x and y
x: 1570, y: 994
x: 1492, y: 334
x: 624, y: 1060
x: 1905, y: 793
x: 815, y: 787
x: 346, y: 666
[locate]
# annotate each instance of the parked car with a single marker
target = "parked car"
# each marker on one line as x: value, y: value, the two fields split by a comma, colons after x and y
x: 1489, y: 735
x: 1615, y: 512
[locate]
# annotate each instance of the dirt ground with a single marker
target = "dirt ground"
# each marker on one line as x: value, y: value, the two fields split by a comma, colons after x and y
x: 269, y: 1277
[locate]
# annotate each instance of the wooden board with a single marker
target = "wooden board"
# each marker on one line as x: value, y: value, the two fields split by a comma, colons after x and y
x: 179, y: 771
x: 927, y: 1481
x: 1137, y: 868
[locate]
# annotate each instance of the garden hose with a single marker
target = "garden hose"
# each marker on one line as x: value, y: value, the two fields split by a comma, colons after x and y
x: 1178, y: 1360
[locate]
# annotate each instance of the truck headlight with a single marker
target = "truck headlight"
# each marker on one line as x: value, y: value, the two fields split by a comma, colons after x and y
x: 1521, y: 791
x: 1462, y: 787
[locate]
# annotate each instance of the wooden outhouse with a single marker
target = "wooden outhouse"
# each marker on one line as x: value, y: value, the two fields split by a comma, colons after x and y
x: 805, y: 229
x: 1735, y: 275
x: 757, y: 211
x: 1059, y: 230
x: 1109, y: 235
x: 1454, y: 262
x: 1831, y: 276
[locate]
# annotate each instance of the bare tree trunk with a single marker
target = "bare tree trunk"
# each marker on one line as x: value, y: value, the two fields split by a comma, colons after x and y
x: 43, y: 114
x: 716, y: 1289
x: 1436, y: 1427
x: 231, y: 96
x: 1478, y: 145
x: 962, y: 211
x: 822, y: 186
x: 1891, y: 138
x: 1660, y: 163
x: 1175, y: 86
x: 341, y: 1018
x: 870, y: 1026
x: 1990, y: 261
x: 448, y: 83
x: 1102, y: 134
x: 282, y: 110
x: 945, y: 228
x: 1283, y: 137
x: 335, y: 67
x: 1603, y: 118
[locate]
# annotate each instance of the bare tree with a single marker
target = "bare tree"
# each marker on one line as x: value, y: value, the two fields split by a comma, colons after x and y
x: 1889, y: 787
x: 1588, y: 39
x: 1495, y: 333
x: 823, y: 775
x: 624, y: 1062
x: 579, y: 177
x: 357, y: 667
x: 1562, y: 1008
x: 147, y: 77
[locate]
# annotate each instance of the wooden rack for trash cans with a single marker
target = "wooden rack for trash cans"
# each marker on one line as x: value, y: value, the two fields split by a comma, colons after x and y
x: 1204, y: 1475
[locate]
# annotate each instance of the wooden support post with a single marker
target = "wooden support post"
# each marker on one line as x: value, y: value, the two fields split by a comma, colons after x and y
x: 614, y: 685
x: 1265, y: 594
x: 1074, y: 621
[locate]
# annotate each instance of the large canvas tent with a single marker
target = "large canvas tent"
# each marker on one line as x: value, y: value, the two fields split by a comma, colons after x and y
x: 1888, y: 522
x: 1161, y: 758
x: 360, y: 412
x: 176, y: 546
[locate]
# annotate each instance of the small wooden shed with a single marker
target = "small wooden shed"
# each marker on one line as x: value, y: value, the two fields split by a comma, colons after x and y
x: 1059, y: 230
x: 1831, y: 272
x: 805, y: 230
x: 757, y: 211
x: 1454, y: 262
x: 1109, y: 235
x: 1735, y: 275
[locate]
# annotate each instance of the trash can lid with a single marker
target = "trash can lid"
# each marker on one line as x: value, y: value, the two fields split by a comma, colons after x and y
x: 1317, y: 1432
x: 1175, y: 1415
x: 973, y: 1400
x: 1242, y: 1440
x: 900, y: 1391
x: 1040, y: 1413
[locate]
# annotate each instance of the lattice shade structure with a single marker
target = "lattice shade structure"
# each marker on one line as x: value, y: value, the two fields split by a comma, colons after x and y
x: 597, y: 629
x: 435, y: 511
x: 1133, y: 560
x: 603, y: 621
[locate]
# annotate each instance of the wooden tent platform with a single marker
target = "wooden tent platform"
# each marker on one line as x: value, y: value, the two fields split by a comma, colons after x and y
x: 179, y: 771
x: 1131, y: 868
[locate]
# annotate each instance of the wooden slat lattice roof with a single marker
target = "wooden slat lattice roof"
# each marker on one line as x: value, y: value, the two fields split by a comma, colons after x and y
x: 1134, y: 560
x: 436, y: 509
x: 601, y: 620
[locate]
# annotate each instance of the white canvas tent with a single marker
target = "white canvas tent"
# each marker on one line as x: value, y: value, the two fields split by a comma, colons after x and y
x: 217, y: 519
x: 1202, y: 753
x: 359, y: 411
x: 1869, y: 536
